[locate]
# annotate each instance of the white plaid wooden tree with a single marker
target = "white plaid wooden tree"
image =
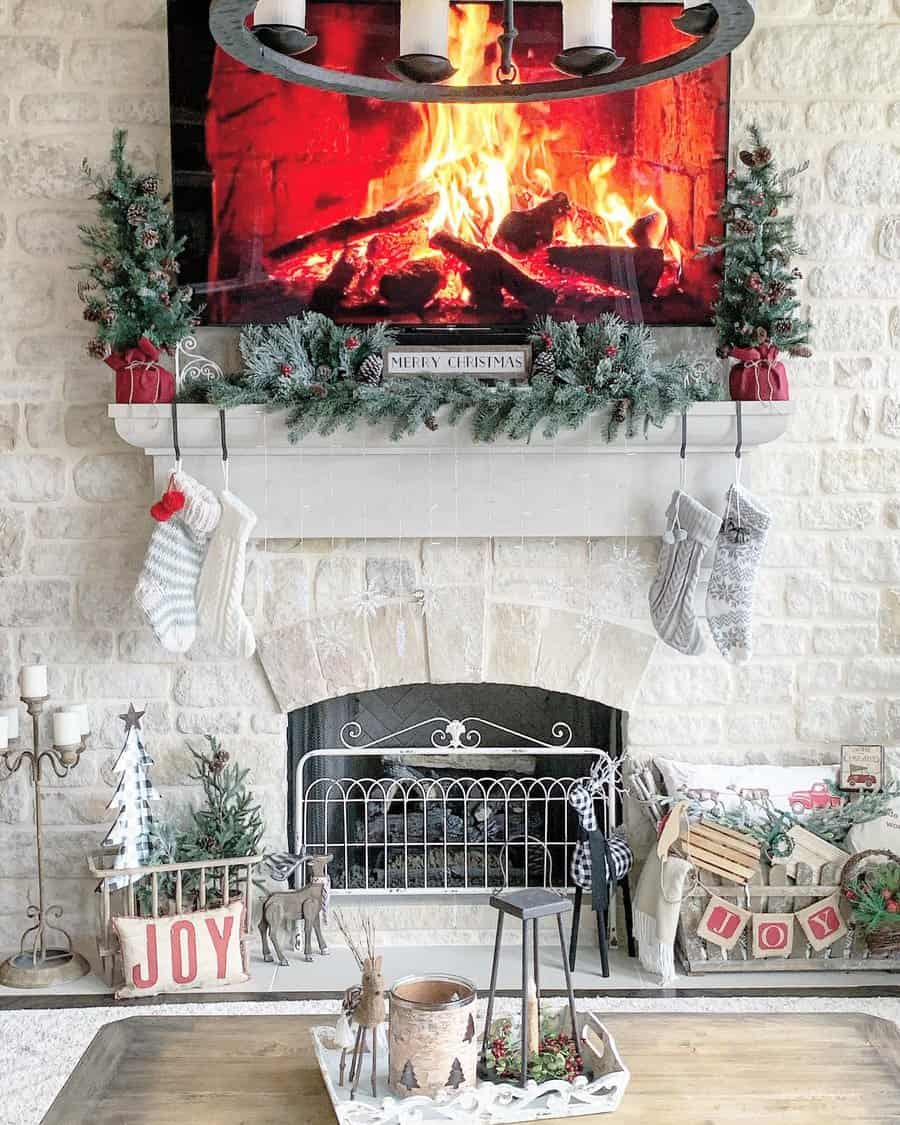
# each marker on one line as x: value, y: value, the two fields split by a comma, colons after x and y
x: 133, y: 828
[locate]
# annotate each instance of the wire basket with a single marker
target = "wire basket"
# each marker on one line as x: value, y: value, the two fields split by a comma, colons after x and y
x: 884, y: 939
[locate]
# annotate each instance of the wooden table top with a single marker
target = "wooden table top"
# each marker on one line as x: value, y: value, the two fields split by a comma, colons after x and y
x: 793, y: 1069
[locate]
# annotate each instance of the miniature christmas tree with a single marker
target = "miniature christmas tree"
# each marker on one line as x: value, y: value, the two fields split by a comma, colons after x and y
x: 757, y: 304
x: 470, y: 1030
x: 132, y: 289
x: 408, y: 1077
x: 133, y: 828
x: 229, y: 823
x: 457, y: 1077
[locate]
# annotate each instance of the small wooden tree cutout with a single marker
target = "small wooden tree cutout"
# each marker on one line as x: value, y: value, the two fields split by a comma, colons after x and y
x: 408, y: 1077
x: 457, y: 1077
x: 470, y: 1030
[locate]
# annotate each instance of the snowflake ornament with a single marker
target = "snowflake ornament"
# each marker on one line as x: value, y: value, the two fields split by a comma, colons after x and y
x: 333, y: 639
x: 365, y: 604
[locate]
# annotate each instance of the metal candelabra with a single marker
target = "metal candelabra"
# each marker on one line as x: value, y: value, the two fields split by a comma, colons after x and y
x: 39, y: 963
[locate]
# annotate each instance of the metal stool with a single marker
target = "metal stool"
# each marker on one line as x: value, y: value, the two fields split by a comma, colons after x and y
x: 529, y: 905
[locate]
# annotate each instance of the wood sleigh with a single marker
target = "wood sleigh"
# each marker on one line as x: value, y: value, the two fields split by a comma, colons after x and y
x: 773, y: 888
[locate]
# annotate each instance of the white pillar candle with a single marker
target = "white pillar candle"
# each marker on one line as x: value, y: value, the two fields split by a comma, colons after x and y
x: 81, y: 711
x: 280, y: 13
x: 425, y: 27
x: 4, y: 732
x: 33, y: 681
x: 587, y: 23
x: 66, y: 728
x: 11, y: 714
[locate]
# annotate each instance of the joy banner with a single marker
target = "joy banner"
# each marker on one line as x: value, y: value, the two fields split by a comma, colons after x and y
x: 723, y: 923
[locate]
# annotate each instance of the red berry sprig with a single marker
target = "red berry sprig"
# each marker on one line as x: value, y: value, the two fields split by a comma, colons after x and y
x: 287, y: 370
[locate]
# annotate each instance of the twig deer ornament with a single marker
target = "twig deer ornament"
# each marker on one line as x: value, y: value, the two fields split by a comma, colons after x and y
x: 363, y: 1005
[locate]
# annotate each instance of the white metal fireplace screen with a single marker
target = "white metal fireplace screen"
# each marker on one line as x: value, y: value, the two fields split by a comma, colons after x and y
x: 416, y: 829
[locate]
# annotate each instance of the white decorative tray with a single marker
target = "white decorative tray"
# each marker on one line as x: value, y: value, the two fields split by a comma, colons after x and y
x: 489, y: 1102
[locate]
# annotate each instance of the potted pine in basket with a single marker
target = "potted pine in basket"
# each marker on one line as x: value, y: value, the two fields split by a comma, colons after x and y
x: 873, y: 891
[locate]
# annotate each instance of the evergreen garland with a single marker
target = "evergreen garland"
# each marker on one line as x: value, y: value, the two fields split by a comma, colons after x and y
x: 313, y: 368
x: 132, y: 289
x: 757, y: 302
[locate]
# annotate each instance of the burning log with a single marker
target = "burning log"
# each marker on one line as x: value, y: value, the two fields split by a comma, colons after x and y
x: 338, y: 235
x: 490, y: 275
x: 621, y: 266
x: 411, y: 288
x: 649, y: 230
x: 329, y: 293
x: 521, y: 232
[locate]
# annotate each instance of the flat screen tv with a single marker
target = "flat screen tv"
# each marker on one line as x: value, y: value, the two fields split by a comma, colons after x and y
x: 435, y: 215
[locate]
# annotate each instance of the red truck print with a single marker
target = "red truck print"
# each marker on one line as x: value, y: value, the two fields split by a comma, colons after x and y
x: 818, y: 796
x: 863, y: 780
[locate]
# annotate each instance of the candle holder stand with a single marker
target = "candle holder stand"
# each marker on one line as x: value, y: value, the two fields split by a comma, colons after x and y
x: 42, y: 961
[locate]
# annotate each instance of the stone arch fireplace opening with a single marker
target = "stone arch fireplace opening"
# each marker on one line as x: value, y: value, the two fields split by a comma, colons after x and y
x: 435, y: 790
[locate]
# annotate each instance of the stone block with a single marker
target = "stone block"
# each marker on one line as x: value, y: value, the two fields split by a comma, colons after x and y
x: 9, y: 426
x: 809, y: 373
x: 856, y: 603
x: 451, y: 562
x: 845, y: 640
x: 892, y: 514
x: 76, y: 806
x: 63, y: 849
x: 454, y: 628
x: 787, y: 472
x: 337, y: 583
x: 23, y: 603
x: 140, y: 646
x: 860, y: 470
x: 618, y: 663
x: 512, y: 643
x: 108, y: 604
x: 862, y: 417
x: 26, y: 297
x: 881, y: 674
x: 861, y: 173
x: 12, y: 541
x: 837, y: 719
x: 44, y: 424
x: 890, y: 417
x: 291, y: 664
x: 124, y: 681
x: 854, y: 280
x: 136, y: 15
x: 139, y: 109
x: 267, y: 722
x: 286, y: 590
x: 49, y: 167
x: 795, y: 551
x: 397, y: 639
x: 848, y: 327
x: 837, y: 515
x: 96, y: 385
x: 677, y: 683
x: 110, y: 521
x: 763, y: 684
x: 859, y: 559
x: 16, y: 801
x: 28, y: 61
x: 771, y: 117
x: 46, y: 16
x: 819, y: 417
x: 67, y: 646
x: 889, y: 237
x: 808, y: 595
x: 54, y: 109
x: 865, y: 373
x: 89, y: 425
x: 832, y: 235
x: 780, y: 638
x: 670, y: 727
x: 390, y: 578
x: 143, y: 60
x: 819, y: 676
x: 113, y: 476
x: 344, y: 652
x: 210, y: 722
x: 222, y: 685
x: 759, y: 727
x: 565, y: 653
x: 851, y: 118
x: 889, y: 620
x: 108, y: 730
x: 28, y: 385
x: 75, y: 558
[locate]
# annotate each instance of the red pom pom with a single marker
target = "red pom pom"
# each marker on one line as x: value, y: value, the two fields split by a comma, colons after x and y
x: 611, y: 351
x: 286, y: 369
x: 547, y: 341
x: 892, y: 907
x: 352, y: 342
x: 172, y: 500
x: 160, y: 513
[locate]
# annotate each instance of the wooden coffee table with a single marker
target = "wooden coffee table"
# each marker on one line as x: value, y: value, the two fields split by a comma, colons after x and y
x: 710, y: 1069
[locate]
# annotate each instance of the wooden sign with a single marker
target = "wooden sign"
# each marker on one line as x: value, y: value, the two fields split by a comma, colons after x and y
x: 721, y: 851
x: 486, y: 361
x: 811, y: 850
x: 723, y: 923
x: 773, y: 935
x: 822, y: 922
x: 862, y: 767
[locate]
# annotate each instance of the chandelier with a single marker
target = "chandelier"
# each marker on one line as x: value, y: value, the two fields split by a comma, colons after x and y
x: 587, y: 58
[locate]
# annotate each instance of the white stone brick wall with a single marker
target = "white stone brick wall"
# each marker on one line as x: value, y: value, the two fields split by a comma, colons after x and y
x: 821, y: 76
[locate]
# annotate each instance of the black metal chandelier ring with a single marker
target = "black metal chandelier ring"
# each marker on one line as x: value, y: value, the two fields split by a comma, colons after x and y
x: 228, y: 24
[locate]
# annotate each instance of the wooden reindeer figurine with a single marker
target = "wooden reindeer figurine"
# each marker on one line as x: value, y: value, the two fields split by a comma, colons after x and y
x: 365, y: 1005
x: 307, y: 905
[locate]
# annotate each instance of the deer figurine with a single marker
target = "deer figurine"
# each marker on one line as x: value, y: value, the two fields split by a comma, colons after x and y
x: 363, y: 1005
x: 309, y: 904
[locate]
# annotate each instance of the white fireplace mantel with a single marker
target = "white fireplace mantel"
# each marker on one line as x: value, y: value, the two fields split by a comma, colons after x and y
x: 360, y: 484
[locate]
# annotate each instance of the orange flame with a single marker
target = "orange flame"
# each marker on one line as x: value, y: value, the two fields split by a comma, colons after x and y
x: 486, y: 160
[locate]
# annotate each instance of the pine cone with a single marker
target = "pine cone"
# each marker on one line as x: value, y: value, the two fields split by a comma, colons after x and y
x: 371, y: 370
x: 431, y: 423
x: 98, y: 349
x: 620, y: 410
x: 136, y: 214
x: 778, y: 291
x: 150, y: 238
x: 317, y: 390
x: 91, y: 313
x: 108, y: 264
x: 761, y: 157
x: 801, y: 352
x: 544, y: 366
x: 107, y: 315
x: 149, y: 185
x: 783, y: 326
x: 746, y: 158
x: 743, y: 227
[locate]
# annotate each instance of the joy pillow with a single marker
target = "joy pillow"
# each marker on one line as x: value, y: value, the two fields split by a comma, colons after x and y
x: 182, y: 951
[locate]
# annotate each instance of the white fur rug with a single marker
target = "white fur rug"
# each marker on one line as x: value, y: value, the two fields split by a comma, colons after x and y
x: 39, y: 1049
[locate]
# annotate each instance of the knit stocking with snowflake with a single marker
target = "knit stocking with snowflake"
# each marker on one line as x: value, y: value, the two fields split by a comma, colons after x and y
x: 132, y: 831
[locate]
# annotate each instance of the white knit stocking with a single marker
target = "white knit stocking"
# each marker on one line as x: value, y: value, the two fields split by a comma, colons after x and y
x: 221, y: 587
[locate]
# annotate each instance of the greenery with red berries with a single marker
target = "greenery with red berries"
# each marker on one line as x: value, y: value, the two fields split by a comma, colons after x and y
x: 875, y: 896
x: 557, y: 1058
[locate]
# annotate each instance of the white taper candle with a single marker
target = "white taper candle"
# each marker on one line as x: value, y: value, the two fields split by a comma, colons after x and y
x: 280, y: 13
x: 424, y: 27
x: 66, y: 728
x: 11, y: 714
x: 33, y: 681
x: 587, y: 23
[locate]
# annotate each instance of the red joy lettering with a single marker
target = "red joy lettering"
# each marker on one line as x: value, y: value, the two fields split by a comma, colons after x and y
x: 148, y: 981
x: 824, y: 922
x: 178, y: 971
x: 220, y: 943
x: 723, y: 922
x: 773, y: 935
